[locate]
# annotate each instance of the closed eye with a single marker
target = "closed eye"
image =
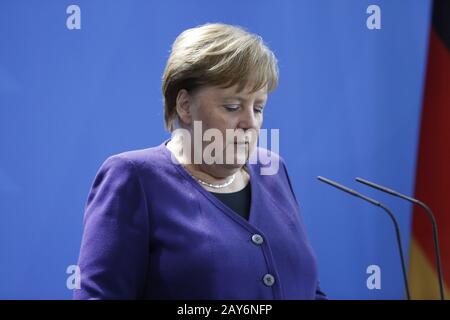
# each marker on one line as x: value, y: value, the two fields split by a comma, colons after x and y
x: 258, y: 110
x: 231, y: 107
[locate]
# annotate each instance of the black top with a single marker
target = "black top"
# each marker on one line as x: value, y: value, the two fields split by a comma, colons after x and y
x: 238, y: 201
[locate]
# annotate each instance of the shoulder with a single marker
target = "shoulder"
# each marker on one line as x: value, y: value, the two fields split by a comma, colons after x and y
x: 267, y: 162
x: 153, y: 155
x: 136, y: 160
x: 270, y: 168
x: 121, y: 170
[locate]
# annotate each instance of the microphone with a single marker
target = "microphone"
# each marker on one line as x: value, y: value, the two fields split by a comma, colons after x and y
x: 387, y: 210
x: 430, y: 216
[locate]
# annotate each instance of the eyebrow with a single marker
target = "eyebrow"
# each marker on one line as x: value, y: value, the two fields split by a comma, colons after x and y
x: 241, y: 99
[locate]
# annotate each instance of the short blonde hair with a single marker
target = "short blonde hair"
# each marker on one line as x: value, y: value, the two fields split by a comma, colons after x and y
x: 216, y: 54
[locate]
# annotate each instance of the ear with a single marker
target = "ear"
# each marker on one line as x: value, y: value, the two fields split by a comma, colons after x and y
x: 183, y: 107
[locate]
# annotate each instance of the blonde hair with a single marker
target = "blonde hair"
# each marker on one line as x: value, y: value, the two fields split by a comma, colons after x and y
x: 216, y: 54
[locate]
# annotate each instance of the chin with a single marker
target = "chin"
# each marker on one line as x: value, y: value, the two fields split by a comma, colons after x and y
x: 240, y: 155
x: 233, y: 167
x: 239, y: 161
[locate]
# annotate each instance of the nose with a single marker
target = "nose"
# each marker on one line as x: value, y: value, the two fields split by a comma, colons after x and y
x: 248, y: 120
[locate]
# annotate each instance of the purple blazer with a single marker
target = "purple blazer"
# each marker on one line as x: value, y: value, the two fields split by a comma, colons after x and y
x: 152, y: 232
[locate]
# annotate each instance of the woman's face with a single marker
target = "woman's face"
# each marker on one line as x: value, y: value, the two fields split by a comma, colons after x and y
x: 238, y: 116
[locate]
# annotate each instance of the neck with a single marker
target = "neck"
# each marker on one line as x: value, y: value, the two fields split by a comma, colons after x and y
x: 215, y: 172
x: 212, y: 174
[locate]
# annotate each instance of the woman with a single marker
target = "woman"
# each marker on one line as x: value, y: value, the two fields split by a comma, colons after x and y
x: 185, y: 220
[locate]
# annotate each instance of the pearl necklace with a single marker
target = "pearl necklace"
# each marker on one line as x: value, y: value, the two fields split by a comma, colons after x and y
x: 216, y: 186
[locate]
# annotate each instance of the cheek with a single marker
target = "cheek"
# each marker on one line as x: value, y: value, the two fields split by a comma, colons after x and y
x: 205, y: 114
x: 221, y: 121
x: 211, y: 118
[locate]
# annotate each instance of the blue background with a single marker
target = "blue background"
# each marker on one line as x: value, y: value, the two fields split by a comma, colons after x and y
x: 348, y: 105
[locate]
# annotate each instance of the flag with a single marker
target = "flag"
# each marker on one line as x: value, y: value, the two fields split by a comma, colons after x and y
x: 433, y: 164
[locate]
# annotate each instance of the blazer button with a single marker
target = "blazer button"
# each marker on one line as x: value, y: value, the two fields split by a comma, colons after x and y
x: 257, y: 239
x: 268, y: 280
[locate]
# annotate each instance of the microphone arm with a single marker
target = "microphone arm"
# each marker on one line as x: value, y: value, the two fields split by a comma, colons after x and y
x: 430, y: 216
x: 388, y: 211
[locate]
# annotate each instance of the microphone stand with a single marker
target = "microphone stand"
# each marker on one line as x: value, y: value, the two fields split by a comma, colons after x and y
x: 388, y: 211
x: 430, y: 216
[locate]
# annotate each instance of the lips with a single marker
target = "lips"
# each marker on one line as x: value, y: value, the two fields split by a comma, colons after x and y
x: 244, y: 141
